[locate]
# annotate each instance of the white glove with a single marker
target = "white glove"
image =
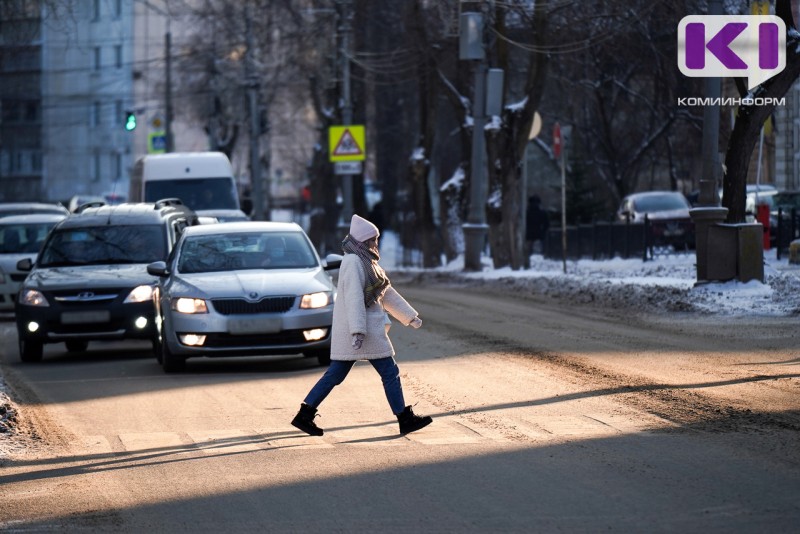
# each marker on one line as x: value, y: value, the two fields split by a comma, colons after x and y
x: 416, y: 323
x: 358, y: 339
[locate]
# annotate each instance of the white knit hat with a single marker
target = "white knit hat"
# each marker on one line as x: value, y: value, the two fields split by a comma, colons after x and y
x: 361, y: 229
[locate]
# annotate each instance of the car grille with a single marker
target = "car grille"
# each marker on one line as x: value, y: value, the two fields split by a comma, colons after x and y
x: 288, y: 337
x: 244, y: 307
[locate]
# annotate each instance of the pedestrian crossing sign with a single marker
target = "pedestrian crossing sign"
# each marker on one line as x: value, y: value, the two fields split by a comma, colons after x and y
x: 346, y: 143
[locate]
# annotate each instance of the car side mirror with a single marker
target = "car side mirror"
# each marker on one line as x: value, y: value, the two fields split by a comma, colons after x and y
x: 332, y: 261
x: 25, y: 265
x: 158, y: 268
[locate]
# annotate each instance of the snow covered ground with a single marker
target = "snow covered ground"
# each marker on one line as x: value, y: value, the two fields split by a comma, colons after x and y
x: 666, y: 284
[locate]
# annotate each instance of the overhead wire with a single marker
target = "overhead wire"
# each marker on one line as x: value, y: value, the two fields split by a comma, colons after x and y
x: 615, y: 28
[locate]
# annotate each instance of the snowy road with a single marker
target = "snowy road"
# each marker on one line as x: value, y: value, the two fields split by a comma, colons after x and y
x: 576, y: 418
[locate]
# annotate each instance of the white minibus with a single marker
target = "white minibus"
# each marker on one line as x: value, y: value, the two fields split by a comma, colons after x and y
x: 203, y: 181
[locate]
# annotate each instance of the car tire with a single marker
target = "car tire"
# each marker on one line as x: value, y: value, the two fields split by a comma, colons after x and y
x: 77, y: 346
x: 169, y: 361
x: 30, y: 351
x: 323, y: 356
x: 157, y: 350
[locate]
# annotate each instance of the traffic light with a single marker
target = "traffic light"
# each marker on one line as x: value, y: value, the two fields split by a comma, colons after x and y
x: 130, y: 120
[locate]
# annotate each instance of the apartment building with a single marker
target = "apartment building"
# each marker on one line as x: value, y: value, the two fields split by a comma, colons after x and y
x: 66, y: 84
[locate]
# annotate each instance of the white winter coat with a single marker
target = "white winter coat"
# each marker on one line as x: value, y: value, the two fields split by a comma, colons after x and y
x: 350, y: 316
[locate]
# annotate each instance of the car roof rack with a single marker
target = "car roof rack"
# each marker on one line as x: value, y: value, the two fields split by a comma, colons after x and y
x: 94, y: 204
x: 164, y: 202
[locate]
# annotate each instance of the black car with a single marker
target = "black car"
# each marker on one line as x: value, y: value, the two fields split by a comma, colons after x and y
x: 90, y: 280
x: 667, y: 212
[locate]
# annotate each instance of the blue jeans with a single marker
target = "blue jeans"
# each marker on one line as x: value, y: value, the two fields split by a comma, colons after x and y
x: 338, y: 370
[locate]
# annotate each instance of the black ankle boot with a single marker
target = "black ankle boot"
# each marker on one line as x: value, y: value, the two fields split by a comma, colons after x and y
x: 304, y: 420
x: 410, y: 422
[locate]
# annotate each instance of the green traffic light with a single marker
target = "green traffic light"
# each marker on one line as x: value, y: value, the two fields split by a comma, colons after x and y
x: 130, y: 121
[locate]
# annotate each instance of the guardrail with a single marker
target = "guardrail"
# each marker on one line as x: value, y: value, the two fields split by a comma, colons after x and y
x: 787, y: 230
x: 607, y: 240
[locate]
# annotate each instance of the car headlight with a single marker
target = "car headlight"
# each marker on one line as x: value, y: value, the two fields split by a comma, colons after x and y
x: 32, y: 297
x: 315, y: 300
x: 140, y: 294
x: 189, y: 305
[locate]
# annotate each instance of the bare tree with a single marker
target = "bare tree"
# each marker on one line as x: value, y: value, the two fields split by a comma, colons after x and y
x: 751, y: 118
x: 508, y: 136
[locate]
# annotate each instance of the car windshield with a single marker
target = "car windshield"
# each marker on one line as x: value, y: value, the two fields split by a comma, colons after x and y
x: 651, y: 203
x: 23, y: 238
x: 786, y: 201
x: 197, y: 193
x: 245, y: 250
x: 104, y: 245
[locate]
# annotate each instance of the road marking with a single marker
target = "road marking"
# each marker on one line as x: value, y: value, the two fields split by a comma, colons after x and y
x: 150, y: 441
x: 443, y: 431
x: 225, y: 441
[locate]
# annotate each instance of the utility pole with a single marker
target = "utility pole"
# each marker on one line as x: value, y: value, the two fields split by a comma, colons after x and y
x: 709, y: 212
x: 346, y: 29
x: 170, y: 142
x: 260, y: 192
x: 475, y: 229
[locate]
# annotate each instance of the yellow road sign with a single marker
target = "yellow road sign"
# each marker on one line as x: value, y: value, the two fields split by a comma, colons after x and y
x: 759, y: 8
x: 346, y: 143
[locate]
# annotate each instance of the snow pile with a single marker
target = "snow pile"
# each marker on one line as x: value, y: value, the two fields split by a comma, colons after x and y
x: 665, y: 284
x: 8, y: 414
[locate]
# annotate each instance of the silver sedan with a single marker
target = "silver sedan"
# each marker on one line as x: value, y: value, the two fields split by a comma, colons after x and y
x: 244, y: 289
x: 21, y: 237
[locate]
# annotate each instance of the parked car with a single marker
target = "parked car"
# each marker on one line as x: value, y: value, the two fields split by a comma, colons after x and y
x: 21, y: 237
x: 244, y: 289
x: 667, y: 213
x: 24, y: 208
x: 90, y: 280
x: 786, y: 201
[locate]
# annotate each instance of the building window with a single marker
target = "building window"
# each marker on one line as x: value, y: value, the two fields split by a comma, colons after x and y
x: 36, y: 161
x: 118, y: 113
x: 117, y: 166
x: 95, y: 119
x: 32, y: 111
x: 118, y: 55
x: 117, y: 9
x: 10, y: 110
x: 97, y: 58
x: 96, y: 170
x: 96, y: 10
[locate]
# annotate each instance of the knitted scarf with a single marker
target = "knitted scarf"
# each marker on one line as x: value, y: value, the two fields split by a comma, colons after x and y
x: 377, y: 281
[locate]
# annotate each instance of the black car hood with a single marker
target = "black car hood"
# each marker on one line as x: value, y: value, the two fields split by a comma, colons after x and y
x: 89, y: 276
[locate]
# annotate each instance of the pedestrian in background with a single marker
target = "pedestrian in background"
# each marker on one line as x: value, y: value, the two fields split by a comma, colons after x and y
x: 536, y: 225
x: 360, y: 329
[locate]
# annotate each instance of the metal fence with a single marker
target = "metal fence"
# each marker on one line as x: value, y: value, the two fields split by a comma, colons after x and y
x: 606, y: 240
x: 787, y: 229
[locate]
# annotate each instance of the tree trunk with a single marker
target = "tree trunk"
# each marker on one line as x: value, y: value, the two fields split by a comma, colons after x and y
x: 420, y: 166
x: 506, y: 147
x: 749, y: 122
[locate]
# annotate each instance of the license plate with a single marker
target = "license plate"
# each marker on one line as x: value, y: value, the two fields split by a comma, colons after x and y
x: 85, y: 317
x: 255, y: 325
